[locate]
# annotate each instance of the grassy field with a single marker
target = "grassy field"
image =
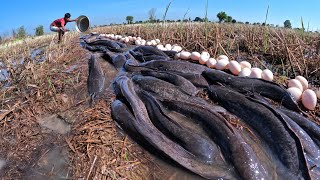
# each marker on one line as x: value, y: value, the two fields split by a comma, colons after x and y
x: 53, y: 82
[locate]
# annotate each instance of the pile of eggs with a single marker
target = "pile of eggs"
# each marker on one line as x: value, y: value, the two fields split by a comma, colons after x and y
x: 242, y: 69
x: 297, y: 87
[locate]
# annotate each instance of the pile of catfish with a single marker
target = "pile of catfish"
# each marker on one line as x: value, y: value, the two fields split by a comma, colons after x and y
x: 210, y: 122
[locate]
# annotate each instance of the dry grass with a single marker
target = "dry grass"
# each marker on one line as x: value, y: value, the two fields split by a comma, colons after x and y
x: 97, y: 149
x: 286, y: 52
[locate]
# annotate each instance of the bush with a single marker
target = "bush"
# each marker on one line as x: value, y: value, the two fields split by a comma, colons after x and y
x: 229, y: 19
x: 21, y: 32
x: 222, y: 16
x: 129, y: 19
x: 39, y: 31
x: 287, y: 24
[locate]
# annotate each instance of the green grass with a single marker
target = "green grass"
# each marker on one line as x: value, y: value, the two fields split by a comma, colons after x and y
x: 165, y: 13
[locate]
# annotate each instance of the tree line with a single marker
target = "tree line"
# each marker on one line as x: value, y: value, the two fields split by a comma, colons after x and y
x: 222, y: 16
x: 21, y: 33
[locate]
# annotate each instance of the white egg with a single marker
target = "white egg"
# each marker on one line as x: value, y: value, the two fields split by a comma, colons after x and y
x: 139, y: 38
x: 149, y: 43
x: 157, y: 40
x: 177, y: 56
x: 168, y: 46
x: 303, y: 82
x: 143, y: 42
x: 235, y: 67
x: 153, y: 42
x: 244, y: 64
x: 295, y: 93
x: 126, y: 40
x: 255, y: 73
x: 295, y: 83
x: 222, y: 64
x: 195, y: 56
x: 245, y: 72
x: 309, y: 99
x: 211, y: 63
x: 222, y: 57
x: 122, y: 39
x: 177, y: 48
x: 137, y: 42
x: 134, y: 38
x: 203, y: 59
x: 205, y: 53
x: 159, y: 46
x: 185, y: 55
x: 130, y: 38
x: 267, y: 75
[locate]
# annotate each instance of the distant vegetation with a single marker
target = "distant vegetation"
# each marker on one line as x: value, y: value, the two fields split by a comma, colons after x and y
x: 21, y: 32
x: 152, y: 15
x: 222, y: 16
x: 287, y: 24
x: 39, y: 31
x: 129, y: 19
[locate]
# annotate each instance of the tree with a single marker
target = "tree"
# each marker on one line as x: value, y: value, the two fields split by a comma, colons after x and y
x: 0, y: 39
x: 129, y: 19
x: 39, y: 31
x: 247, y: 22
x: 287, y: 24
x: 198, y: 19
x: 21, y: 32
x: 14, y: 33
x: 222, y: 16
x: 229, y: 19
x: 234, y: 21
x: 152, y: 14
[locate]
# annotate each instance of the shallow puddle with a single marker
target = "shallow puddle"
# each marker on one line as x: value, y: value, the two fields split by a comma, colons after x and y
x: 2, y: 164
x: 54, y: 123
x: 4, y: 75
x: 37, y: 55
x: 53, y: 164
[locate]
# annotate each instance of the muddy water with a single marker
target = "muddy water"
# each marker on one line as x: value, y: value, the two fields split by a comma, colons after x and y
x: 54, y: 164
x: 2, y: 163
x: 166, y: 170
x: 37, y: 55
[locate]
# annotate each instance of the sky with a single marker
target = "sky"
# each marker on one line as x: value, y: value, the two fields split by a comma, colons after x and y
x: 32, y: 13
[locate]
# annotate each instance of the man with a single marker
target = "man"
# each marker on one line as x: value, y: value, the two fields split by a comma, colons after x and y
x: 59, y: 25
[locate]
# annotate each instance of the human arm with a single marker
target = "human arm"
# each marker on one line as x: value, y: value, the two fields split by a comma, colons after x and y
x: 71, y: 20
